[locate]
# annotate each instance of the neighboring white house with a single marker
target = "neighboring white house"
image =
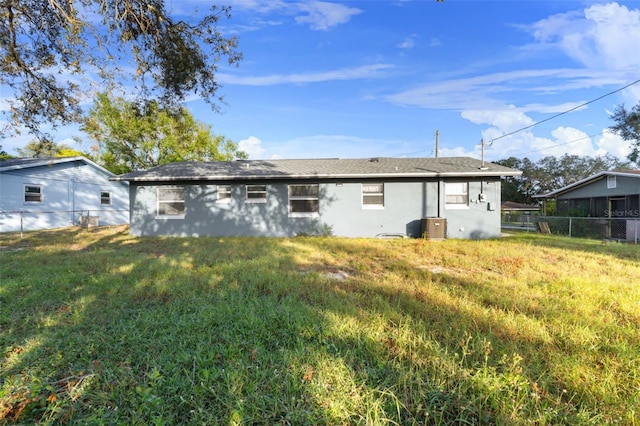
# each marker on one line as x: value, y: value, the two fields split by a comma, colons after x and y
x: 45, y: 193
x: 371, y: 197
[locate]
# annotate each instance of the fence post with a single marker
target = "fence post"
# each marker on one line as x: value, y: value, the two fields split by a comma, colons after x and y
x: 569, y: 227
x: 21, y: 226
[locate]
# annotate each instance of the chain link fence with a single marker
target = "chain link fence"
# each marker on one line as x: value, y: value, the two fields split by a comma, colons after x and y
x: 604, y: 228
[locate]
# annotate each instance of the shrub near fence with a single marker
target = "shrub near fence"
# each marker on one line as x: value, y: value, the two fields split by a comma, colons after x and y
x: 620, y: 229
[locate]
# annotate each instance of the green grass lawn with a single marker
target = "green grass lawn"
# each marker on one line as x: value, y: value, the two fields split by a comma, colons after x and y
x: 98, y: 327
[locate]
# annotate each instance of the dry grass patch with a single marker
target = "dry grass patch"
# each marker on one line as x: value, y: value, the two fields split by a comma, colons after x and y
x: 109, y: 328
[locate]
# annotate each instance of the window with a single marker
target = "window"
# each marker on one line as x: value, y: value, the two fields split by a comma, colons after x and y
x: 105, y: 198
x: 32, y: 194
x: 372, y: 195
x: 611, y: 182
x: 224, y: 193
x: 456, y: 195
x: 256, y: 193
x: 303, y: 200
x: 171, y: 202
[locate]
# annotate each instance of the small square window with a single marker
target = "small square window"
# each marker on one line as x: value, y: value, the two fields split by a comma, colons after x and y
x: 224, y: 193
x: 611, y: 182
x: 372, y: 195
x: 105, y: 198
x: 32, y: 194
x: 256, y: 193
x: 456, y: 195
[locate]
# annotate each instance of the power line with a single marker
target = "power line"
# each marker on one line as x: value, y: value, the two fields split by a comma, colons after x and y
x: 565, y: 143
x: 564, y: 112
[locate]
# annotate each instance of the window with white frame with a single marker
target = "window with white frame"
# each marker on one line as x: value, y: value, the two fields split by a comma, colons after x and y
x: 171, y: 202
x: 372, y: 195
x: 105, y: 198
x: 303, y: 200
x: 224, y: 193
x: 611, y: 182
x: 256, y: 193
x: 32, y: 194
x: 456, y: 195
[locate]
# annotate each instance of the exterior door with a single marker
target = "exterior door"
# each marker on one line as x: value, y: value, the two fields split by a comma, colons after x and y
x: 617, y: 212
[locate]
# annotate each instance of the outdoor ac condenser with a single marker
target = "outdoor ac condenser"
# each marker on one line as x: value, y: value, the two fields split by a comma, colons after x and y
x: 434, y: 228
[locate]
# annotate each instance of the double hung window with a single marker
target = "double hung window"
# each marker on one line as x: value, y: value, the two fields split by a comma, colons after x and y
x: 171, y: 202
x: 224, y: 193
x: 372, y: 195
x: 303, y: 200
x: 456, y: 195
x: 256, y: 193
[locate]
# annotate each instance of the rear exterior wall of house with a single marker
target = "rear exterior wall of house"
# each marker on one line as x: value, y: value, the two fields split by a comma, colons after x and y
x: 364, y: 208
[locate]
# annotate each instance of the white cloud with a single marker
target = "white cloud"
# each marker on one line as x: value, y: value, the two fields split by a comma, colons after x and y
x: 318, y: 15
x: 408, y: 42
x: 602, y: 36
x: 365, y: 71
x: 506, y: 120
x: 252, y: 146
x: 487, y: 91
x: 612, y: 143
x: 322, y: 15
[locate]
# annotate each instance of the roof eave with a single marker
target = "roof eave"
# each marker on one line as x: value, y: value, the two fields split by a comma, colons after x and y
x: 318, y: 176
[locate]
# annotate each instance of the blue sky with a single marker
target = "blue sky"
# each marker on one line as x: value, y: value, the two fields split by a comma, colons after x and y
x: 356, y: 79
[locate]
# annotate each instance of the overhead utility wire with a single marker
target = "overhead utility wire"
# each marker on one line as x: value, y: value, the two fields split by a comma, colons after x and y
x: 564, y: 143
x: 564, y: 112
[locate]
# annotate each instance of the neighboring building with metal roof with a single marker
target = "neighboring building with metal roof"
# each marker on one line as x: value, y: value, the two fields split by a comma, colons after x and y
x: 45, y: 193
x: 610, y: 194
x: 345, y: 197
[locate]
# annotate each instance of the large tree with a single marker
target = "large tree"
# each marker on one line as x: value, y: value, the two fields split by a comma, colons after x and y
x: 48, y: 46
x: 137, y: 135
x: 628, y: 127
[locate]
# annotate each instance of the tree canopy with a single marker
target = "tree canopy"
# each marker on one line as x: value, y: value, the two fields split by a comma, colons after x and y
x: 138, y: 135
x: 628, y: 127
x: 48, y: 47
x: 45, y: 148
x: 3, y: 154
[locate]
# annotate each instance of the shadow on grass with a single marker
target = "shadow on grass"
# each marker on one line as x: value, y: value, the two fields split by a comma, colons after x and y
x: 113, y: 329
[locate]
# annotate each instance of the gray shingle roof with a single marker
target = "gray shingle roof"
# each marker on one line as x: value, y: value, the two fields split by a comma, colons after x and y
x: 329, y: 168
x: 28, y: 162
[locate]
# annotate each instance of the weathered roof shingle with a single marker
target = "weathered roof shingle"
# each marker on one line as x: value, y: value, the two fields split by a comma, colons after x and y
x: 329, y: 168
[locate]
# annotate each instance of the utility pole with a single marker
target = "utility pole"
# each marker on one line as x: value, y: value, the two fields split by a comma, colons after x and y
x: 482, y: 167
x: 437, y: 142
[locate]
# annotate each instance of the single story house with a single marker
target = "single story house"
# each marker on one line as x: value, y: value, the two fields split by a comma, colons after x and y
x: 372, y: 197
x: 611, y: 194
x: 45, y: 193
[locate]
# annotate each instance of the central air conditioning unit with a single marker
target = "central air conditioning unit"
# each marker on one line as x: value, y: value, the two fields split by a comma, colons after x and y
x: 89, y: 221
x: 434, y: 228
